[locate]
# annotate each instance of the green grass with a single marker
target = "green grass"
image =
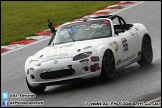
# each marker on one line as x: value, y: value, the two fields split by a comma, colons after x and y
x: 24, y: 18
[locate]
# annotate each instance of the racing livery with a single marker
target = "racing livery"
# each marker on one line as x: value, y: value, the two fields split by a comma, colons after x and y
x: 87, y: 48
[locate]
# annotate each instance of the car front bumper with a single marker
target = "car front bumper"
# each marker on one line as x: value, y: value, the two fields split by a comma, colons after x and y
x: 64, y: 70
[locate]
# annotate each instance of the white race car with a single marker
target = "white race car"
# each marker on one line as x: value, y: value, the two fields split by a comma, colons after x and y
x: 88, y: 48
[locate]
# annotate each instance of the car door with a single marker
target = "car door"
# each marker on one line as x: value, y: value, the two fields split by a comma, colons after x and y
x: 129, y: 44
x: 129, y: 40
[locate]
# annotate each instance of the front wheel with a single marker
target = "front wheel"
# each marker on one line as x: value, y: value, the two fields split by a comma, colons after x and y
x: 108, y: 66
x: 147, y: 53
x: 36, y: 90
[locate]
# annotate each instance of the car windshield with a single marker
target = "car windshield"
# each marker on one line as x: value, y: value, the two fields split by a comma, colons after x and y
x: 87, y: 30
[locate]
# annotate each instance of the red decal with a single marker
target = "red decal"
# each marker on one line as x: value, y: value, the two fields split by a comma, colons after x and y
x: 106, y: 22
x: 94, y: 67
x: 87, y: 23
x: 94, y: 58
x: 69, y: 26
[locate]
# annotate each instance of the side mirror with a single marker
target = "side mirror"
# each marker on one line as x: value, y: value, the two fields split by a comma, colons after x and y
x: 50, y: 26
x: 52, y: 38
x: 52, y: 30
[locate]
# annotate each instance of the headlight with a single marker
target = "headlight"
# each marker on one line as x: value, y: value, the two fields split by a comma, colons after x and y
x: 34, y: 62
x: 82, y: 56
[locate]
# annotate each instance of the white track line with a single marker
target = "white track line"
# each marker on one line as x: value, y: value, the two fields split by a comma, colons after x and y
x: 49, y: 37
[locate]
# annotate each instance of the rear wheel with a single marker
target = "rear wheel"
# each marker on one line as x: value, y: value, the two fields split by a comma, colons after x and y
x: 36, y: 90
x: 147, y: 53
x: 108, y: 66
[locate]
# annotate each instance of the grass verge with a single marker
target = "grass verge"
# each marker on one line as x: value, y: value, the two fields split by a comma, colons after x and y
x: 24, y: 18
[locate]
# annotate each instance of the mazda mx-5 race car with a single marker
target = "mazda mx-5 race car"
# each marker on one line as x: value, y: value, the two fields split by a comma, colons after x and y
x: 88, y: 48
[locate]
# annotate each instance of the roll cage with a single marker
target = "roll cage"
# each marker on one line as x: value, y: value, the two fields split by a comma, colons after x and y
x: 123, y: 26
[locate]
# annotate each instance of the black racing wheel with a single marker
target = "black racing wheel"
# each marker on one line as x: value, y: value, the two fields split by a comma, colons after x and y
x: 108, y: 66
x: 147, y: 53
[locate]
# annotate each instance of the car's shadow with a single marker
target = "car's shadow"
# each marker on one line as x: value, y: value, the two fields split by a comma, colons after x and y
x: 121, y: 75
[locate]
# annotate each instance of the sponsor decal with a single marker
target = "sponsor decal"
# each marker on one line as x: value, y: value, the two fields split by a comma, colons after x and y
x: 119, y: 61
x: 87, y: 47
x: 94, y: 67
x: 69, y: 57
x: 116, y: 45
x: 48, y: 60
x: 57, y: 55
x: 84, y: 61
x: 59, y: 58
x: 94, y: 58
x: 69, y: 45
x: 106, y: 22
x: 63, y: 57
x: 125, y: 44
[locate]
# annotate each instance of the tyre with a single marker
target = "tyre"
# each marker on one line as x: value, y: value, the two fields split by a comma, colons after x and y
x: 146, y: 53
x: 108, y: 66
x: 36, y: 90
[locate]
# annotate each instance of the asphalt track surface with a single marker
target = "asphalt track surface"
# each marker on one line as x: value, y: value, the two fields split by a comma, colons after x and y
x: 133, y: 83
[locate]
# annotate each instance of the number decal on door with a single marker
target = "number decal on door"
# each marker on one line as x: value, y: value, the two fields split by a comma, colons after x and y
x: 125, y: 44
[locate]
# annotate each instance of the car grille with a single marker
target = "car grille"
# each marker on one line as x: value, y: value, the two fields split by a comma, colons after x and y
x: 57, y: 74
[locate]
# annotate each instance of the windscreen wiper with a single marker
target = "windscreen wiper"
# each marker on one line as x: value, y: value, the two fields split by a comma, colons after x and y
x: 95, y: 31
